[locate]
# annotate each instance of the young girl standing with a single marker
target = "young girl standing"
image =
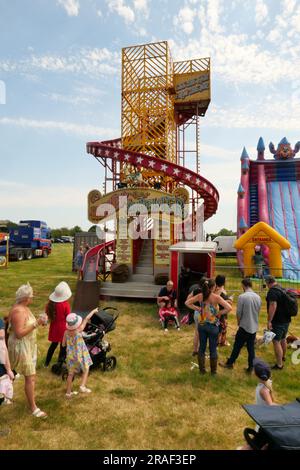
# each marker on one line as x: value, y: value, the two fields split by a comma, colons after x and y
x: 78, y: 357
x: 57, y: 310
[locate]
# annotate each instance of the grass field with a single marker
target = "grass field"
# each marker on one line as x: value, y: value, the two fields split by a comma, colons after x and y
x: 151, y: 401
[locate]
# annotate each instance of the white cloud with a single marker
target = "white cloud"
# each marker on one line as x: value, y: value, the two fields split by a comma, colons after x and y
x: 185, y: 19
x: 26, y: 196
x: 68, y: 127
x: 94, y: 62
x: 123, y: 10
x: 141, y: 5
x: 71, y: 6
x: 270, y: 116
x: 261, y: 12
x: 214, y: 13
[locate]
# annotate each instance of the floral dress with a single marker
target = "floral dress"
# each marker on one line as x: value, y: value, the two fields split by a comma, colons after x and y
x: 23, y: 352
x: 78, y: 357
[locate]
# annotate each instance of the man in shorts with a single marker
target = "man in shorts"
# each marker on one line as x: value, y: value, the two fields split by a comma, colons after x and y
x: 278, y: 320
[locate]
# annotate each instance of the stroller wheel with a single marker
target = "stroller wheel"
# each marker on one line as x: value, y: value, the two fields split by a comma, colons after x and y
x: 110, y: 363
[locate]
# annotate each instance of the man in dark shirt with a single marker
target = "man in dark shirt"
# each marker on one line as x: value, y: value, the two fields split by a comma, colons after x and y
x: 167, y: 293
x: 278, y: 320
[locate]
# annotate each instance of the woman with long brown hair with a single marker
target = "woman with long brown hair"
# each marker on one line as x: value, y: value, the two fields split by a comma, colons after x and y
x: 57, y: 309
x: 208, y: 322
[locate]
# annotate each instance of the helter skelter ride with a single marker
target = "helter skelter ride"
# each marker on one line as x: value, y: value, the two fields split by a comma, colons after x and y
x: 162, y: 101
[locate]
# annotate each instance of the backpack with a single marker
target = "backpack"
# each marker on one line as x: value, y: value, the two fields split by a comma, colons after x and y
x: 289, y: 300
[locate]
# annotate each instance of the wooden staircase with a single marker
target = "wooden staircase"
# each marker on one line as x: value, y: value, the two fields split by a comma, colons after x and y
x: 141, y: 285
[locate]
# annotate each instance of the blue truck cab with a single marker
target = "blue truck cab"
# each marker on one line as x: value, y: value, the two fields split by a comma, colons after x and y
x: 30, y: 239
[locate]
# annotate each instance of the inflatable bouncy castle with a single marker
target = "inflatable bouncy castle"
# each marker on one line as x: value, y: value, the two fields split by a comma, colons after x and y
x: 269, y: 192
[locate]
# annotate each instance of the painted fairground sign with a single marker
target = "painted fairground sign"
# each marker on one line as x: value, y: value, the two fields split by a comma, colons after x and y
x: 194, y: 86
x: 4, y: 243
x: 134, y: 200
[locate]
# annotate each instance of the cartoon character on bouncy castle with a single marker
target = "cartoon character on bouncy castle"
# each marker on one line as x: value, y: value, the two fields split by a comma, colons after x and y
x: 284, y: 150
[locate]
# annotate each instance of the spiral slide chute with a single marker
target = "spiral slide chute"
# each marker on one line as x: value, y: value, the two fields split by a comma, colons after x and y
x: 111, y: 150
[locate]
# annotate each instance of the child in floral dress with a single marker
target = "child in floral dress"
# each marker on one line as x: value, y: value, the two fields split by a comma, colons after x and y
x: 78, y: 357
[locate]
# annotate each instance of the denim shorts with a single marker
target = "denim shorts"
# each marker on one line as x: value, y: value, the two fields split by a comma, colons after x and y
x: 280, y: 330
x: 196, y: 316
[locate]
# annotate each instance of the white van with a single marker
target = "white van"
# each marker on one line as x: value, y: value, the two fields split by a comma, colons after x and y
x: 225, y: 245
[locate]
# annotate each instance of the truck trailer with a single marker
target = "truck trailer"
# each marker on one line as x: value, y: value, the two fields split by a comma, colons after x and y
x: 29, y: 239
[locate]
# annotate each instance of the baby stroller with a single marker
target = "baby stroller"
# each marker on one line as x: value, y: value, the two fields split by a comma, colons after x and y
x: 279, y: 426
x: 101, y: 323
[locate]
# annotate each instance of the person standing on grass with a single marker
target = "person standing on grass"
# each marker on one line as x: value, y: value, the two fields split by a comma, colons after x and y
x: 258, y: 261
x: 278, y: 320
x: 247, y: 312
x: 6, y: 374
x: 208, y: 322
x: 22, y: 345
x: 57, y: 310
x: 79, y: 259
x: 78, y: 357
x: 196, y: 289
x: 220, y: 290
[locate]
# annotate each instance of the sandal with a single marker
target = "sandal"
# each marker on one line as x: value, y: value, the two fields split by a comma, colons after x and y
x: 39, y: 413
x: 71, y: 394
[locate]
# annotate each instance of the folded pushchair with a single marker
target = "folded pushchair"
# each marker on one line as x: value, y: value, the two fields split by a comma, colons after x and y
x: 279, y: 426
x: 101, y: 323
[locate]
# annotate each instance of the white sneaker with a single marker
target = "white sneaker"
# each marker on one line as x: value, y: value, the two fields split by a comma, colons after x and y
x: 17, y: 376
x: 84, y: 389
x: 166, y: 330
x: 178, y: 329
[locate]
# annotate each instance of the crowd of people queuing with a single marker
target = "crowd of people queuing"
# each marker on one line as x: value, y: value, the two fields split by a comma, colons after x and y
x: 209, y: 302
x: 211, y: 305
x: 18, y: 351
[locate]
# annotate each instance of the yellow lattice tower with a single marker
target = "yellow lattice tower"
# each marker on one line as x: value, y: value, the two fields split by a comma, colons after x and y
x: 148, y: 124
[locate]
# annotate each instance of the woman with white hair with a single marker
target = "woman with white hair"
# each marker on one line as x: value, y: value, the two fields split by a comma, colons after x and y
x: 22, y: 345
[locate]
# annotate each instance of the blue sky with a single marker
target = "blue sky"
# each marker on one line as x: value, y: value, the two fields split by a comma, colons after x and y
x: 60, y: 68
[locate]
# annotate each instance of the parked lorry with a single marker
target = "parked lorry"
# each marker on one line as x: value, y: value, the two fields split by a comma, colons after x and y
x: 225, y: 245
x: 29, y: 239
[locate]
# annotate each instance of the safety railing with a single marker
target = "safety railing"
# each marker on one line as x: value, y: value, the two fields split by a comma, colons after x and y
x: 234, y: 276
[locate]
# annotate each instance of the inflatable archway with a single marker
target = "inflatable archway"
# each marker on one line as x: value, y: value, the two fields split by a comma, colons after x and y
x: 262, y: 234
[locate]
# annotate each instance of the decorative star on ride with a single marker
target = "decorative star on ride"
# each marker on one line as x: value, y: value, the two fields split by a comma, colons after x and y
x: 188, y: 176
x: 176, y: 171
x: 139, y: 160
x: 107, y: 153
x: 127, y: 157
x: 164, y: 167
x: 151, y: 163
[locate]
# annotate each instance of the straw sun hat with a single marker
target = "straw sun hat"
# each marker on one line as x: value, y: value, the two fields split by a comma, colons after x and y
x: 61, y: 293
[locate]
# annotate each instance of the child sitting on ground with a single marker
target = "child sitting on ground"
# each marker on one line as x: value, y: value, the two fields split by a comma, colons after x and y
x: 78, y: 358
x: 6, y: 374
x: 263, y: 392
x: 166, y: 313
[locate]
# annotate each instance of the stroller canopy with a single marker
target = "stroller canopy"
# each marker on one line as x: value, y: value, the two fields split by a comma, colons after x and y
x: 102, y: 317
x: 280, y: 423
